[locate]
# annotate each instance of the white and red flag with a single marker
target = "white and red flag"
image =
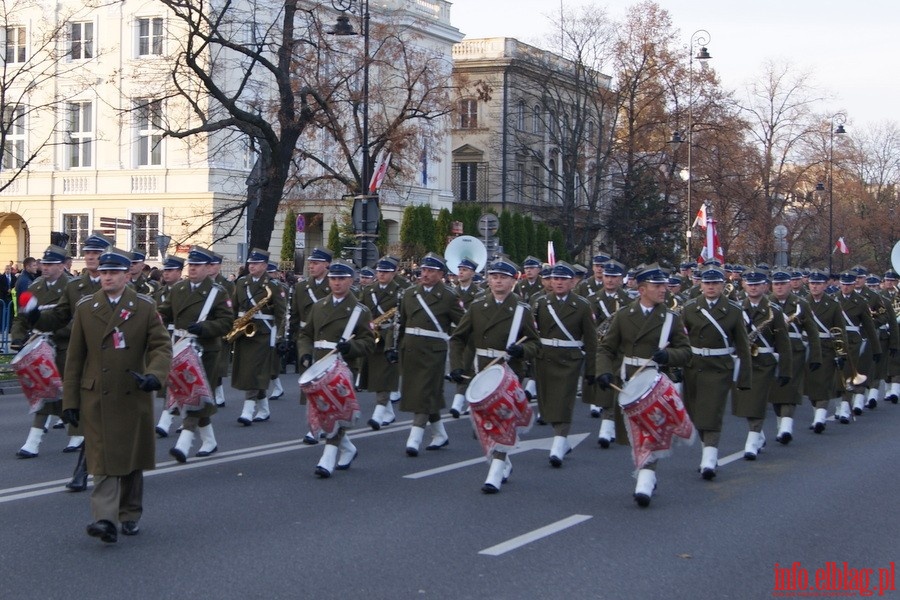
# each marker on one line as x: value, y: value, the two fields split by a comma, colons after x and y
x: 701, y: 217
x: 551, y: 254
x: 712, y: 249
x: 841, y: 246
x: 381, y: 166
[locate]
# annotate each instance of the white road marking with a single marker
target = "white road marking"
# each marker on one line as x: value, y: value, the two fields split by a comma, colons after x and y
x: 531, y: 536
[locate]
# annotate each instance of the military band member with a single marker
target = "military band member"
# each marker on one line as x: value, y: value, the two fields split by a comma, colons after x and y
x: 306, y: 293
x: 800, y: 283
x: 644, y: 335
x: 173, y: 267
x: 825, y: 383
x: 605, y: 302
x: 864, y: 349
x: 256, y: 293
x: 889, y: 290
x: 337, y: 322
x: 366, y: 277
x: 568, y: 332
x: 771, y: 358
x: 581, y: 273
x: 119, y: 352
x: 497, y: 326
x: 215, y: 272
x: 427, y: 313
x: 61, y: 317
x: 46, y: 291
x: 886, y: 323
x: 200, y: 309
x: 594, y: 284
x: 806, y: 352
x: 137, y: 279
x: 467, y: 291
x: 531, y: 283
x: 380, y: 371
x: 716, y: 331
x: 277, y: 277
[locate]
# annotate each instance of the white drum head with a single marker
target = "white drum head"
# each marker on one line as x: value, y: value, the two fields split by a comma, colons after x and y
x: 317, y: 369
x: 484, y: 384
x: 638, y: 387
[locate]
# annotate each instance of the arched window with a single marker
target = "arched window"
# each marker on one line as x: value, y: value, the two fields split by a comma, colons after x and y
x: 520, y: 115
x: 536, y: 119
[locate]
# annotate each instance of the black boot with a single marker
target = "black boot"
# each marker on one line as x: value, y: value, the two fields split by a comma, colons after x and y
x: 80, y: 475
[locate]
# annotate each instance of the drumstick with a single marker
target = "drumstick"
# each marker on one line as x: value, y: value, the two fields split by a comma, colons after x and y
x: 647, y: 362
x: 333, y: 350
x: 499, y: 358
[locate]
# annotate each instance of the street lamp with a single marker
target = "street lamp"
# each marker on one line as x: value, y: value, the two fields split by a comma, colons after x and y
x: 344, y: 28
x: 699, y: 39
x: 837, y: 119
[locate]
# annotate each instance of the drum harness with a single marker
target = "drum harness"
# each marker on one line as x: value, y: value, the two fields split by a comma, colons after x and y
x: 510, y: 338
x: 558, y: 343
x: 643, y: 363
x: 348, y: 329
x: 204, y: 312
x: 726, y: 351
x: 852, y: 328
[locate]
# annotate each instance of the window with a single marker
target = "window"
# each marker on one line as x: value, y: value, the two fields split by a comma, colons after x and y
x: 552, y: 181
x: 536, y: 119
x: 14, y: 142
x: 149, y: 126
x: 81, y: 134
x: 150, y: 36
x: 466, y: 184
x: 551, y: 124
x: 520, y: 116
x: 16, y: 44
x: 76, y: 227
x: 468, y: 114
x: 520, y: 182
x: 146, y: 228
x: 81, y: 41
x: 536, y: 183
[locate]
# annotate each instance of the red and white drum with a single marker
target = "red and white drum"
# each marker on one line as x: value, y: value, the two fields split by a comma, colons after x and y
x: 499, y: 408
x: 186, y: 386
x: 35, y: 366
x: 330, y: 396
x: 654, y: 416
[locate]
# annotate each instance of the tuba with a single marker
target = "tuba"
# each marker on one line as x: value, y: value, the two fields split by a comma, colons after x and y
x: 465, y: 246
x: 243, y: 325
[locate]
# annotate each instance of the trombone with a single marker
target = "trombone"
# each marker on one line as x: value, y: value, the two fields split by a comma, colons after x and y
x: 840, y: 351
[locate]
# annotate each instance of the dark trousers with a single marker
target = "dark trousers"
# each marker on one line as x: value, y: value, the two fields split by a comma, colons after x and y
x: 117, y: 499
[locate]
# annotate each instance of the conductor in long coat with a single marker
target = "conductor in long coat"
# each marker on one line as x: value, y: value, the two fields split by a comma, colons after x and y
x: 427, y: 313
x: 716, y: 331
x: 119, y: 352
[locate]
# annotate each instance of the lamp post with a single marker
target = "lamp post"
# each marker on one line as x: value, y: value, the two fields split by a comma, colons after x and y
x: 837, y: 119
x: 344, y: 28
x: 700, y: 39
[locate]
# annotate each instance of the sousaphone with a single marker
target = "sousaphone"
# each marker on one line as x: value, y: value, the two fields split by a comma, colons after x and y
x: 465, y: 246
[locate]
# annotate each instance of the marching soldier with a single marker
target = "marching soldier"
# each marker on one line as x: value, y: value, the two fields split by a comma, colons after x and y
x: 606, y: 302
x: 306, y: 293
x: 644, y: 335
x: 215, y: 272
x: 498, y: 326
x: 173, y: 268
x: 337, y: 322
x: 806, y: 352
x: 256, y: 294
x: 825, y: 383
x: 716, y: 332
x: 863, y: 351
x: 771, y: 359
x: 889, y: 290
x: 380, y: 371
x: 277, y: 278
x: 568, y: 332
x: 886, y: 323
x: 46, y: 291
x: 427, y: 312
x: 531, y: 283
x: 593, y: 285
x: 136, y: 274
x: 467, y: 292
x: 61, y: 317
x: 200, y: 309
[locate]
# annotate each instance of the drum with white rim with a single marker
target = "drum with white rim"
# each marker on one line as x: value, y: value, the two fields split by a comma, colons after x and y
x: 330, y: 396
x: 654, y: 415
x: 35, y: 367
x: 499, y: 408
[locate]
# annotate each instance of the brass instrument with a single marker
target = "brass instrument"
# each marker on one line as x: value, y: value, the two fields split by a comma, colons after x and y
x: 243, y: 325
x: 381, y: 319
x: 603, y: 329
x: 840, y: 351
x: 754, y: 335
x: 895, y: 304
x: 729, y: 289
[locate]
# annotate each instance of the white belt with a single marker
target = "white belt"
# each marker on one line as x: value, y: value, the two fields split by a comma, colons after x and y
x: 852, y: 328
x: 795, y: 335
x: 323, y: 345
x: 302, y: 323
x: 427, y: 333
x: 259, y: 316
x: 885, y: 327
x: 765, y: 350
x: 182, y: 333
x: 634, y: 361
x: 556, y: 343
x: 490, y: 353
x: 46, y: 306
x: 711, y: 351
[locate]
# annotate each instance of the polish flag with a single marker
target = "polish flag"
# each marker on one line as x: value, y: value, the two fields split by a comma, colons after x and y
x: 551, y: 254
x: 712, y: 249
x: 841, y: 246
x: 380, y: 171
x: 701, y: 217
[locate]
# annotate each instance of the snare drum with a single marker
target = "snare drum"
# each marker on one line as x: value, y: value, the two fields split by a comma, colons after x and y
x: 654, y: 416
x: 499, y: 408
x: 186, y: 385
x: 35, y: 367
x: 330, y: 396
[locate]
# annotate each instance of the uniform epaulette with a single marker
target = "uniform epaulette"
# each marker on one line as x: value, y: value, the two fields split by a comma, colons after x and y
x: 83, y: 299
x: 580, y: 298
x: 451, y: 289
x: 219, y: 287
x: 146, y: 298
x: 734, y: 303
x: 691, y: 301
x: 525, y: 305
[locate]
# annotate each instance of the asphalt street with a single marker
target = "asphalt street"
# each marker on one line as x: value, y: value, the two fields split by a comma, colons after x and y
x: 253, y: 521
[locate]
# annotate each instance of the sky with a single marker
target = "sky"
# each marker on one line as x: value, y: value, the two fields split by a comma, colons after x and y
x: 850, y: 49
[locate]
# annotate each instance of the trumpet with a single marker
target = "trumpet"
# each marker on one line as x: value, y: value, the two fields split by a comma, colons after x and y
x: 244, y: 325
x: 840, y: 351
